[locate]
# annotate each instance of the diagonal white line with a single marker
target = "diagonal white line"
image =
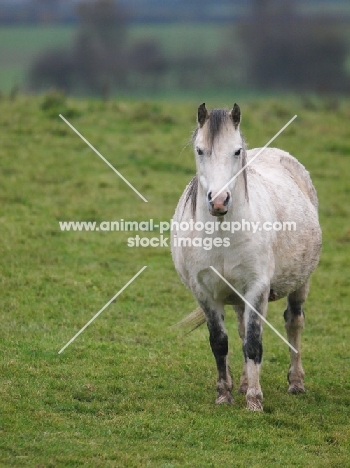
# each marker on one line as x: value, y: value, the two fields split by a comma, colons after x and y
x: 103, y: 308
x: 257, y: 154
x: 103, y: 159
x: 253, y: 308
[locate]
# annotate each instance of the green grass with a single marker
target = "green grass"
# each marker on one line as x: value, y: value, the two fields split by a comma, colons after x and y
x: 130, y: 392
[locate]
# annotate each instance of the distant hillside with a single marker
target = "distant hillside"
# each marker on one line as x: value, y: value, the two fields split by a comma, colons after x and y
x: 148, y: 11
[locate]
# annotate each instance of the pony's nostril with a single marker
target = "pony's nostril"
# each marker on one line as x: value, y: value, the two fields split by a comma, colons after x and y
x: 209, y: 196
x: 227, y: 199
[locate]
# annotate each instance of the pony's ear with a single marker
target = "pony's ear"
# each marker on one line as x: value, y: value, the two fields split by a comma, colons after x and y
x: 236, y: 115
x: 203, y: 115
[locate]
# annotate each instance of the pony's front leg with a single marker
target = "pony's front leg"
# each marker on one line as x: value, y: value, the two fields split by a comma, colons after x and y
x: 219, y: 344
x: 239, y: 309
x: 252, y: 347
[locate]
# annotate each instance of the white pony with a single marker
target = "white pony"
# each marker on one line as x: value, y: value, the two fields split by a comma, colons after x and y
x: 263, y: 265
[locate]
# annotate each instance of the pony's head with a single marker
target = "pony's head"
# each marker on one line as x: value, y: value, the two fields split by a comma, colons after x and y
x: 220, y: 154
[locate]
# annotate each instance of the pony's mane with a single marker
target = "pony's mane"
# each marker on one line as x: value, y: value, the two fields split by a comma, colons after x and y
x: 218, y: 119
x: 191, y: 194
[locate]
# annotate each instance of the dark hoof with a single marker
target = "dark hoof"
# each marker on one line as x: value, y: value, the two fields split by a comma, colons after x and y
x: 295, y: 389
x: 224, y: 399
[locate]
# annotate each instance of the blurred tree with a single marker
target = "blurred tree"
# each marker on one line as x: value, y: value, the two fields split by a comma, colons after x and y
x: 285, y: 50
x: 101, y: 45
x: 53, y: 68
x: 147, y: 64
x: 104, y: 21
x: 47, y: 3
x: 260, y: 8
x: 264, y: 8
x: 95, y: 62
x: 100, y: 59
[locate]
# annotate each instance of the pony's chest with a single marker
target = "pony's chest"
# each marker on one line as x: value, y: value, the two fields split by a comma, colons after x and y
x: 236, y: 268
x: 238, y: 254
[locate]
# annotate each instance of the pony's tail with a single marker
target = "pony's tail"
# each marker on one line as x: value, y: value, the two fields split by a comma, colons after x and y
x: 192, y: 321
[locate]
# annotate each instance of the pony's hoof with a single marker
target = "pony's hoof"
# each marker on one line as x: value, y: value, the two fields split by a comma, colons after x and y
x: 254, y: 399
x: 224, y: 399
x: 254, y: 404
x: 296, y: 388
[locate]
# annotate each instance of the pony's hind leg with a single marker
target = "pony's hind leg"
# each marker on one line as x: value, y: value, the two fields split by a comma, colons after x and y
x: 219, y: 344
x: 243, y: 384
x: 294, y: 322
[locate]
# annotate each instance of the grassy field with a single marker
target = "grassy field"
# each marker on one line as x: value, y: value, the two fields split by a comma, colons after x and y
x: 130, y: 391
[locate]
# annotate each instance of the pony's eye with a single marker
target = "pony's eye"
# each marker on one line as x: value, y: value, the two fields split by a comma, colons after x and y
x: 200, y: 152
x: 238, y: 152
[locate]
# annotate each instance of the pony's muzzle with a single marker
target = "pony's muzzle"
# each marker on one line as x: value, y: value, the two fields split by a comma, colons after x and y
x: 218, y: 204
